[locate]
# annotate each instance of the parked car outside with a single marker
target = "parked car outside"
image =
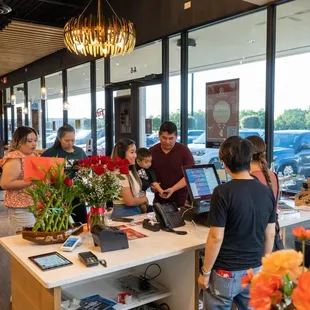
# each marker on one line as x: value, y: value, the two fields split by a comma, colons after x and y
x: 203, y: 155
x: 291, y: 152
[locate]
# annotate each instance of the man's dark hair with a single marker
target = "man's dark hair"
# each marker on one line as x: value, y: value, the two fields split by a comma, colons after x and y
x: 143, y: 153
x: 168, y: 127
x: 236, y: 153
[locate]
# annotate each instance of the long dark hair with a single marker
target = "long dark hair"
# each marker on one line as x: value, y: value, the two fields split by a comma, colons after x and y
x: 20, y: 137
x: 236, y: 153
x: 119, y: 150
x: 60, y: 133
x: 259, y: 149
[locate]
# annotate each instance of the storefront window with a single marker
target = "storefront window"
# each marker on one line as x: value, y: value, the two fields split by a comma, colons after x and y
x: 237, y: 61
x: 9, y: 113
x: 54, y: 106
x: 100, y: 113
x: 175, y: 80
x: 19, y: 105
x: 143, y: 61
x: 34, y: 108
x: 292, y: 115
x: 79, y: 101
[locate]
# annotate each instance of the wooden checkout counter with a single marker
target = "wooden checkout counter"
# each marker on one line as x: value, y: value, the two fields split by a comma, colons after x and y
x: 177, y: 255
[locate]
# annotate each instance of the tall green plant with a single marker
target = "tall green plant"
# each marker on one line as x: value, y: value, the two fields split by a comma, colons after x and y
x: 53, y: 199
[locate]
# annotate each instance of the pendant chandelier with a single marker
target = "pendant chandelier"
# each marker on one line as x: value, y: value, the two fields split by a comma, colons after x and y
x: 97, y: 35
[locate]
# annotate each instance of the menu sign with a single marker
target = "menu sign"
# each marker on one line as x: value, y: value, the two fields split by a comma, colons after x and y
x: 222, y: 111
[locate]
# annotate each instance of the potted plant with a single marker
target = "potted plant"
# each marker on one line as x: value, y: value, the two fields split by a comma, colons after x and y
x: 52, y: 206
x: 99, y: 181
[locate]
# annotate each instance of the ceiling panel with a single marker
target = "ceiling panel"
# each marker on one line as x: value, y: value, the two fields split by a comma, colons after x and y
x: 22, y: 43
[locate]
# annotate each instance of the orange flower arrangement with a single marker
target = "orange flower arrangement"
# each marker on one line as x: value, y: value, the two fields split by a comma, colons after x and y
x: 281, y: 283
x: 301, y: 294
x: 281, y: 263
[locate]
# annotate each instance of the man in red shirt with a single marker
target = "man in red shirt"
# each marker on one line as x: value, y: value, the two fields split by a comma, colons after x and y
x: 168, y: 158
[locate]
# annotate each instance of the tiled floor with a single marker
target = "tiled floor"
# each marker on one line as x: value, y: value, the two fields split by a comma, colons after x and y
x: 5, y: 282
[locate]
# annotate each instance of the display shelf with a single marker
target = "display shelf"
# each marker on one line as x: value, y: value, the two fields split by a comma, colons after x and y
x: 106, y: 288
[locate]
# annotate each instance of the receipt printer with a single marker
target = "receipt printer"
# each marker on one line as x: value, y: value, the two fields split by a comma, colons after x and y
x: 109, y: 238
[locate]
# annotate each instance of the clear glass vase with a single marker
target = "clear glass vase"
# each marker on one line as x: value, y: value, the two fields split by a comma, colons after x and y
x: 97, y: 216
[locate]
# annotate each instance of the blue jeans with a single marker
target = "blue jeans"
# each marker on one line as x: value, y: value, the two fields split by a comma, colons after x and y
x: 222, y: 292
x: 124, y: 211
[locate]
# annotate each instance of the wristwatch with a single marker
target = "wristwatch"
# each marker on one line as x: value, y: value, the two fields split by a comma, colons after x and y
x: 205, y: 273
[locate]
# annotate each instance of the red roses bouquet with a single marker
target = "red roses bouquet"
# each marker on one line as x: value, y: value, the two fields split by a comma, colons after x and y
x: 99, y: 179
x: 53, y: 199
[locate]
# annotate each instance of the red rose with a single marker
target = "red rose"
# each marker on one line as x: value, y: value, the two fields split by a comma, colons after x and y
x: 99, y: 170
x: 105, y: 159
x: 124, y: 170
x: 68, y: 182
x: 40, y: 206
x: 84, y: 162
x: 94, y: 160
x: 120, y: 162
x: 111, y: 166
x: 52, y: 180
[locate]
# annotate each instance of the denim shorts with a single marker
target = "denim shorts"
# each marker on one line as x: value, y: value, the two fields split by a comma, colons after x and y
x: 123, y: 211
x: 222, y: 292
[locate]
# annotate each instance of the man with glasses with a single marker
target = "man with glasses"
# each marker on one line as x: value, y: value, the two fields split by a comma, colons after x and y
x: 168, y: 158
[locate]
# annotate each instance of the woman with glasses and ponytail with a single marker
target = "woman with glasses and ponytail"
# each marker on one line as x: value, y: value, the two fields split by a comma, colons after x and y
x: 260, y: 170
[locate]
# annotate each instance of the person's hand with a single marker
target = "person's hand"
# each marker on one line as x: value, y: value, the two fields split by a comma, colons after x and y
x: 153, y: 189
x: 203, y: 282
x: 167, y: 193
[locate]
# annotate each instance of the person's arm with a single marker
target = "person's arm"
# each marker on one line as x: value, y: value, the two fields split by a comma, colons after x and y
x: 174, y: 188
x: 130, y: 200
x: 213, y: 246
x: 270, y: 233
x: 10, y: 174
x: 156, y: 187
x: 188, y: 160
x: 217, y: 221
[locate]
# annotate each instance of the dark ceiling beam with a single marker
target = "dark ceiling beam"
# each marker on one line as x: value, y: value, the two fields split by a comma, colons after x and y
x: 71, y: 5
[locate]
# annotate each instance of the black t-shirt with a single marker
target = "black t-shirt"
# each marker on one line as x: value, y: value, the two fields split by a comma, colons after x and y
x: 244, y: 208
x: 147, y: 177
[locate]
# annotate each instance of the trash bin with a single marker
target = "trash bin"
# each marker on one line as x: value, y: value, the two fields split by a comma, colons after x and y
x: 298, y: 247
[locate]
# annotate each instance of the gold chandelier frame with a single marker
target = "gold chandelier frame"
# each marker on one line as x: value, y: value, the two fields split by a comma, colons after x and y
x: 97, y: 35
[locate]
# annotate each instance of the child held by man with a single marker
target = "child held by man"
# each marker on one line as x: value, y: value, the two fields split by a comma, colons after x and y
x: 146, y: 173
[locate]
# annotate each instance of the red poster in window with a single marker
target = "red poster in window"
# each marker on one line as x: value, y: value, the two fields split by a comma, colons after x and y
x: 222, y: 111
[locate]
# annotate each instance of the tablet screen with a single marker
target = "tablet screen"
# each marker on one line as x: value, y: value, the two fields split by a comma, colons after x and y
x: 50, y: 261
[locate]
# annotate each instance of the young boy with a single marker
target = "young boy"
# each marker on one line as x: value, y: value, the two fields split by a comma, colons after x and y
x: 146, y: 174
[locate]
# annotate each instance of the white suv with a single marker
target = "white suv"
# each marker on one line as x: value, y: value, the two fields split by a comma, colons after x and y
x: 203, y: 155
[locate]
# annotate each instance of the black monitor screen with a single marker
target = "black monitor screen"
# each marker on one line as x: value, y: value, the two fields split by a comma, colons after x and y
x: 201, y: 181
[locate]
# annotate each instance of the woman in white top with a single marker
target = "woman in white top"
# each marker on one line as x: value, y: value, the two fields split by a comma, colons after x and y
x: 131, y: 197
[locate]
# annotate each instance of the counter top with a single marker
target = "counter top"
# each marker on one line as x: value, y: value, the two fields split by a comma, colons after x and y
x: 158, y: 245
x: 294, y: 218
